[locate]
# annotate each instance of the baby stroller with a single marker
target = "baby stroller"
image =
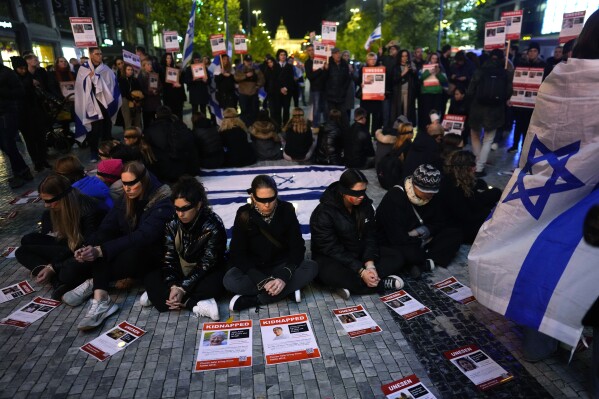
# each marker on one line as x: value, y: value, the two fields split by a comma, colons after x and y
x: 59, y: 112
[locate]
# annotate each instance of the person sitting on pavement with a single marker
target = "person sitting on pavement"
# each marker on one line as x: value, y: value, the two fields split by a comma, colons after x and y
x: 467, y: 201
x: 71, y: 167
x: 389, y: 169
x: 128, y: 243
x: 192, y: 273
x: 267, y: 250
x: 68, y: 221
x: 238, y: 150
x: 109, y: 171
x: 450, y: 143
x: 425, y: 148
x: 344, y: 240
x: 358, y: 150
x: 329, y: 146
x: 209, y: 143
x: 411, y: 222
x: 265, y: 138
x: 140, y: 149
x: 298, y: 137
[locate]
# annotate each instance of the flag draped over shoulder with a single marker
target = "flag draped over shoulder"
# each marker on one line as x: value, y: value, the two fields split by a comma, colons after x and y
x: 88, y: 100
x: 529, y: 261
x: 188, y: 43
x: 375, y: 35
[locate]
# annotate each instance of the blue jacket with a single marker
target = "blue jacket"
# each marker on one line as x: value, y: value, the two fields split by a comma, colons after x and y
x: 96, y: 188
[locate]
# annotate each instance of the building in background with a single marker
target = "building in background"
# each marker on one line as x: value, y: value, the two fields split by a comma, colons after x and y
x: 283, y: 41
x: 43, y: 26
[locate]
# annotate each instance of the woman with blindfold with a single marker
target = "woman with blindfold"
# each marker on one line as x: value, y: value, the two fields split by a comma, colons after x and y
x: 128, y: 243
x: 267, y: 250
x: 192, y: 273
x: 467, y: 200
x: 69, y: 220
x: 344, y: 240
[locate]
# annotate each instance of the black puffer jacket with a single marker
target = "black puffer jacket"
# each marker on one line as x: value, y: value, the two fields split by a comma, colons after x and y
x: 424, y: 150
x: 209, y: 145
x: 357, y: 146
x: 337, y: 81
x: 329, y: 144
x: 202, y: 242
x: 255, y: 254
x: 336, y: 234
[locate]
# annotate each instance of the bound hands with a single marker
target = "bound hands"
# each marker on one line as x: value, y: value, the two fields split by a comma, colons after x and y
x: 86, y: 254
x: 175, y: 299
x: 274, y: 287
x: 45, y: 275
x: 369, y: 275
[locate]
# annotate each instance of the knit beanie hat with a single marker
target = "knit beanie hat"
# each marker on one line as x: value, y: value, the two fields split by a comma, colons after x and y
x: 427, y: 179
x: 110, y: 170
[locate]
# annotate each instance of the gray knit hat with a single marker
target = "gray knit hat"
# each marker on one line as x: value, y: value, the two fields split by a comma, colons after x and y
x: 427, y: 179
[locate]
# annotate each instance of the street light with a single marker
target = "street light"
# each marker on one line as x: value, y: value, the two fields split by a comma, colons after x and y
x: 257, y: 13
x: 354, y: 10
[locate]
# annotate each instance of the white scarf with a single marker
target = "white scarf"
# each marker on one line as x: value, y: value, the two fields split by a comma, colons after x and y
x: 414, y: 199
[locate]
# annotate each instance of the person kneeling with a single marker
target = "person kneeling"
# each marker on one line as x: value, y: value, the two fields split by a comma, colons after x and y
x: 194, y: 265
x: 344, y: 240
x: 267, y: 250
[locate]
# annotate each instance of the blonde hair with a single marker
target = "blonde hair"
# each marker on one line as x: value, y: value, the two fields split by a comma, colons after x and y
x: 70, y: 167
x: 231, y: 120
x: 403, y: 136
x: 297, y: 123
x: 65, y: 219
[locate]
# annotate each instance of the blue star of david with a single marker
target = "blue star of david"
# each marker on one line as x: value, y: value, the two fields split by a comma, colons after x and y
x: 283, y: 180
x: 557, y: 160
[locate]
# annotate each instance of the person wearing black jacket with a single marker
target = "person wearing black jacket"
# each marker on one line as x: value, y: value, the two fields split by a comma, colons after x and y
x: 209, y: 143
x: 425, y: 149
x: 127, y: 244
x: 192, y: 273
x: 238, y: 150
x: 410, y: 220
x: 272, y: 86
x: 267, y: 250
x: 344, y: 240
x: 131, y: 108
x: 225, y: 84
x: 373, y: 107
x: 69, y: 220
x: 329, y: 144
x: 358, y: 150
x: 172, y: 145
x: 337, y: 80
x: 173, y: 94
x: 199, y: 94
x: 287, y: 86
x: 317, y: 81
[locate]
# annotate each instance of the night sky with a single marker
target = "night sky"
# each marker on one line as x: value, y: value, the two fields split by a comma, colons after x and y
x: 300, y: 16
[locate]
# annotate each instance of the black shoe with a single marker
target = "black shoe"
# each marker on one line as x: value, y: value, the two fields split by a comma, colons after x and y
x: 429, y: 265
x: 482, y: 173
x: 512, y: 149
x: 415, y: 272
x: 241, y: 302
x: 16, y: 182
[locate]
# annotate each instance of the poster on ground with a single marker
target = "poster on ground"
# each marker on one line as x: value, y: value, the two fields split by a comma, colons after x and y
x: 408, y: 387
x: 113, y: 341
x: 288, y: 339
x: 453, y: 123
x: 224, y: 346
x: 84, y: 32
x: 356, y: 321
x: 198, y: 71
x: 455, y: 290
x: 31, y: 312
x: 571, y: 26
x: 373, y: 83
x: 404, y: 305
x: 494, y: 35
x: 218, y: 45
x: 329, y: 32
x: 9, y: 252
x: 15, y: 291
x: 513, y: 24
x: 241, y: 44
x: 171, y: 41
x: 131, y: 59
x: 475, y: 364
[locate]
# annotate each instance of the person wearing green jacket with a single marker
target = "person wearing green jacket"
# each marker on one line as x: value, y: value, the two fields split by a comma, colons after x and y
x: 432, y: 83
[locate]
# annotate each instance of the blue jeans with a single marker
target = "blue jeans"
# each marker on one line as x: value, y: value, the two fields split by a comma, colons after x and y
x: 249, y: 108
x: 317, y: 99
x: 8, y: 143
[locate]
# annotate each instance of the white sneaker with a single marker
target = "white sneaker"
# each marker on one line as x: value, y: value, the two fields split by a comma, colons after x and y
x: 97, y: 313
x: 393, y: 282
x: 494, y: 147
x: 144, y: 300
x: 343, y: 293
x: 79, y: 294
x: 298, y: 296
x: 207, y: 308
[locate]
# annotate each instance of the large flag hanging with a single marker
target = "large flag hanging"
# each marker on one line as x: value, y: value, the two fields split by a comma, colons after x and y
x: 375, y: 35
x: 529, y: 261
x: 188, y: 44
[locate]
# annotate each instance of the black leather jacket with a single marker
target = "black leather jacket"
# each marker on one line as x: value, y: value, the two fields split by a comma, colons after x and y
x: 203, y: 242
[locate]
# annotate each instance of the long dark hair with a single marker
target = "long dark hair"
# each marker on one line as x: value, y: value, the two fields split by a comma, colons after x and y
x: 348, y: 179
x: 459, y: 167
x: 587, y: 44
x: 136, y: 168
x: 191, y: 190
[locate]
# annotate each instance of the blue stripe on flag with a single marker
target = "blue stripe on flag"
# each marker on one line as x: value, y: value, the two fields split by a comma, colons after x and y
x: 312, y: 195
x: 546, y: 262
x: 228, y: 172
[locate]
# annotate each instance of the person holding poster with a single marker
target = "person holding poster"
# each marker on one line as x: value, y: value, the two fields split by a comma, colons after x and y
x: 194, y: 264
x: 432, y: 81
x: 337, y: 79
x: 132, y: 98
x: 316, y: 78
x: 97, y: 101
x: 69, y: 220
x: 267, y: 250
x: 374, y: 108
x: 151, y: 87
x: 467, y: 201
x: 198, y: 88
x: 344, y: 240
x: 225, y: 84
x: 173, y: 94
x: 404, y: 88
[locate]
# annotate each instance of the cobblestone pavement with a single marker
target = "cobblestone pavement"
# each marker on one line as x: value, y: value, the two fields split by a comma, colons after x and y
x: 44, y: 359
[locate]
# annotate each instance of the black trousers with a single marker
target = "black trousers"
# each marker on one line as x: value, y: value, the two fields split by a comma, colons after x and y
x: 34, y: 133
x: 335, y: 275
x: 40, y: 249
x: 101, y: 130
x: 211, y: 286
x: 441, y: 249
x: 426, y: 103
x: 131, y: 263
x: 522, y: 117
x: 237, y: 282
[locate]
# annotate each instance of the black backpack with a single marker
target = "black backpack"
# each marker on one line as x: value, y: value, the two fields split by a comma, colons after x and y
x: 492, y: 87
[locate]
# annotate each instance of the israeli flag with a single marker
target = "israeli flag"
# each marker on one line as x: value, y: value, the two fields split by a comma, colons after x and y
x: 188, y: 44
x: 529, y: 261
x: 375, y: 35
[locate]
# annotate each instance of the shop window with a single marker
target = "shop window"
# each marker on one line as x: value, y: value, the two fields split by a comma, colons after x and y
x: 8, y: 49
x: 45, y: 53
x: 35, y: 11
x: 139, y: 32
